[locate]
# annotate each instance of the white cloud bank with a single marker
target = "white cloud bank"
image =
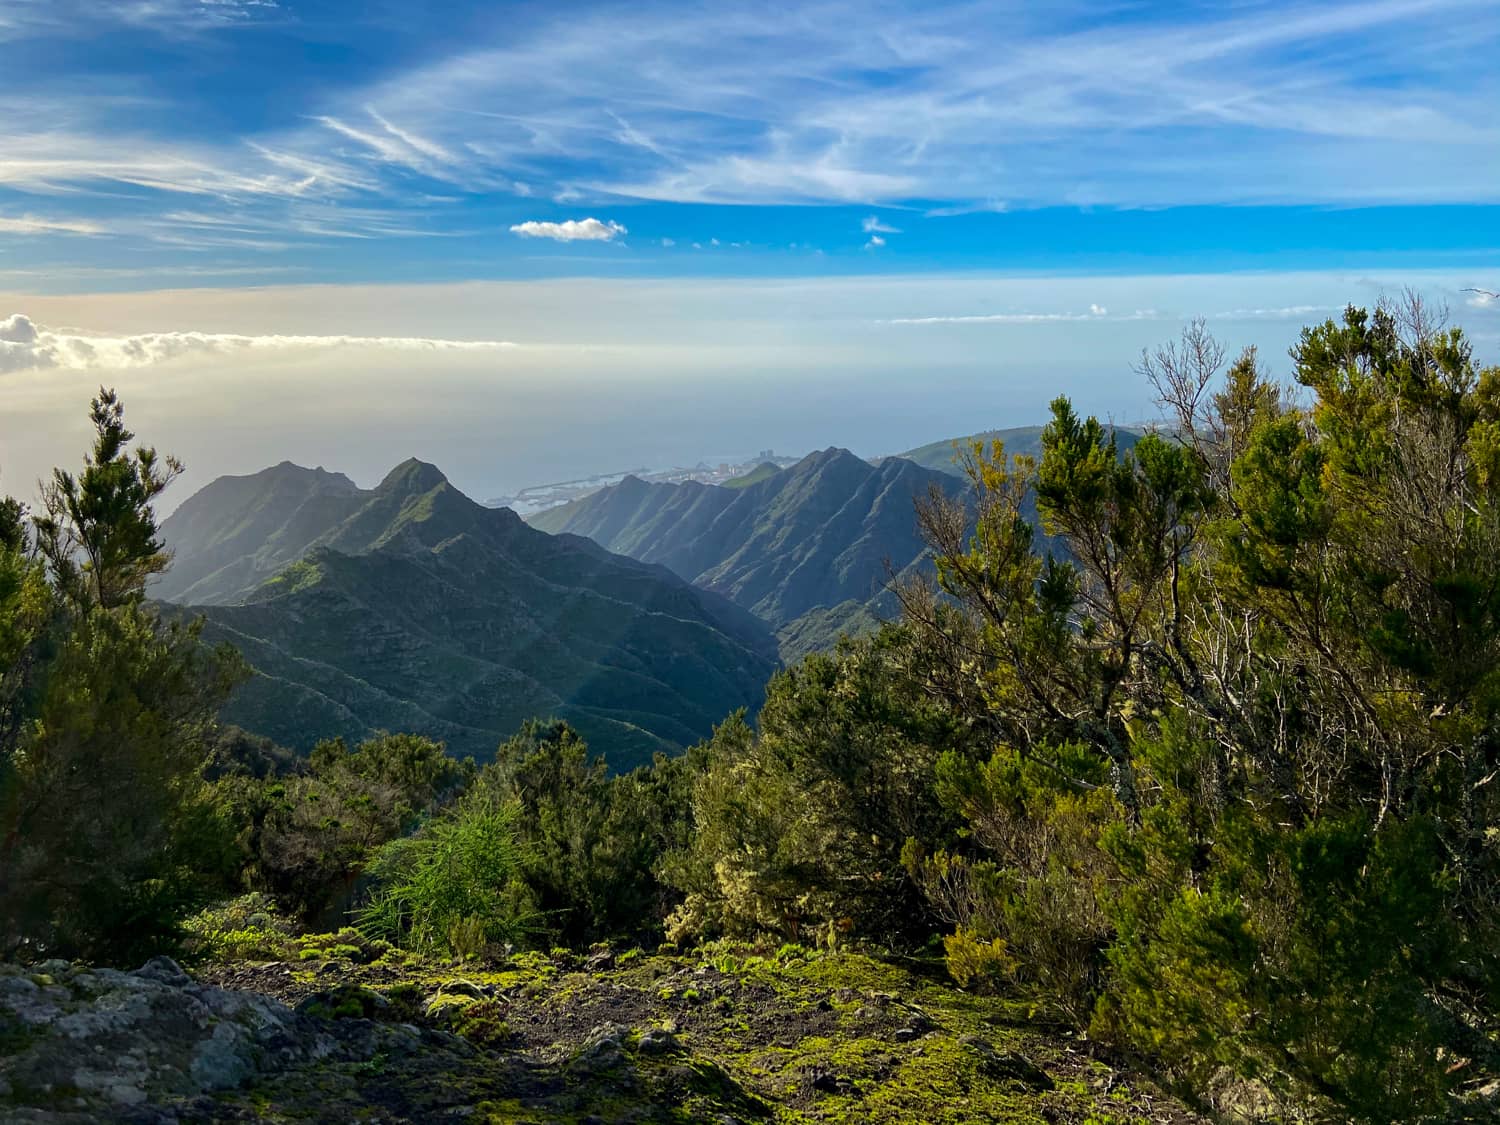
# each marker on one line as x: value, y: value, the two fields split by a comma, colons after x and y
x: 573, y: 230
x: 26, y: 345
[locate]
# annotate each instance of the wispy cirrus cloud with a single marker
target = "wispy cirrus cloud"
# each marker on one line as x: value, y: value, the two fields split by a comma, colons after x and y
x: 26, y: 345
x: 24, y: 18
x: 1264, y: 102
x: 946, y: 109
x: 965, y: 106
x: 37, y: 224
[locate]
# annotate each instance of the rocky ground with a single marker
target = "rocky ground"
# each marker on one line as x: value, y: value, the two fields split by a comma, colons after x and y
x: 721, y: 1037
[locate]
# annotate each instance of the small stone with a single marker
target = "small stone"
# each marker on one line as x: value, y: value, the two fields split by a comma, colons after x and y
x: 906, y: 1034
x: 602, y: 1049
x: 163, y: 970
x: 1007, y: 1065
x: 121, y: 1094
x: 461, y: 988
x: 658, y: 1041
x: 56, y: 967
x: 599, y: 962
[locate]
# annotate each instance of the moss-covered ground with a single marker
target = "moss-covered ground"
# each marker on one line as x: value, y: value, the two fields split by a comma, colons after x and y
x: 721, y: 1035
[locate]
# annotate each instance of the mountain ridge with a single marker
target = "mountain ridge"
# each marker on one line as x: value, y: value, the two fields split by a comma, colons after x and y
x: 416, y: 608
x: 805, y: 539
x: 945, y: 455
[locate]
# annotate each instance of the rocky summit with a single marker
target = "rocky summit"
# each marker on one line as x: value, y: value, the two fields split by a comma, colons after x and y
x: 724, y: 1037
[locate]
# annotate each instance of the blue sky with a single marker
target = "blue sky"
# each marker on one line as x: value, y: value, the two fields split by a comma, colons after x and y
x: 167, y: 142
x: 536, y: 240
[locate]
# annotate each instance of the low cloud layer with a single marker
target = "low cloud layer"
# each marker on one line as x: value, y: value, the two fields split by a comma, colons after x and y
x: 26, y: 345
x: 1096, y: 312
x: 573, y: 230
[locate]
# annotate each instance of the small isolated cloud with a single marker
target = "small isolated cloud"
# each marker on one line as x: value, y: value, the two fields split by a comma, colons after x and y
x: 573, y: 230
x: 875, y: 243
x: 873, y: 225
x: 668, y: 242
x: 26, y: 345
x: 1098, y: 310
x: 35, y: 224
x: 1483, y: 299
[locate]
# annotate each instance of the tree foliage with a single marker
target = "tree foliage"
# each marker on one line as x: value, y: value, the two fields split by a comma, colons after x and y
x: 1245, y: 719
x: 108, y: 834
x: 306, y: 835
x: 799, y: 827
x: 589, y: 843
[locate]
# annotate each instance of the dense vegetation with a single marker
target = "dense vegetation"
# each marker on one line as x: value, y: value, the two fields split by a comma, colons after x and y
x: 1213, y: 779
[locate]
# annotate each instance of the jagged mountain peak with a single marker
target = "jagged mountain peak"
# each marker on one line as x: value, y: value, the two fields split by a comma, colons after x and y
x: 412, y: 475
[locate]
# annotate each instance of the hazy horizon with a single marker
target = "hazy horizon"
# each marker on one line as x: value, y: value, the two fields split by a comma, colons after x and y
x: 510, y: 384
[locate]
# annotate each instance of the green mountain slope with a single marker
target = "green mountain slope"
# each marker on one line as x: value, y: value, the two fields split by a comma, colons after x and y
x: 807, y: 538
x: 1024, y: 440
x: 417, y: 609
x: 236, y: 532
x: 754, y: 476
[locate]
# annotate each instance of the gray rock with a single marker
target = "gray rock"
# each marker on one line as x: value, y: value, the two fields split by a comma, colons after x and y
x: 658, y: 1041
x: 221, y: 1061
x: 127, y: 1043
x: 164, y: 970
x: 122, y: 1093
x: 602, y: 1049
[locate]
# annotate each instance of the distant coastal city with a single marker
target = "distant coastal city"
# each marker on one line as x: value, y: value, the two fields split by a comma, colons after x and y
x: 541, y: 497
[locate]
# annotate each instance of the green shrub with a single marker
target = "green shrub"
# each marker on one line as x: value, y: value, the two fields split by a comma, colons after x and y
x: 980, y: 966
x: 454, y: 886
